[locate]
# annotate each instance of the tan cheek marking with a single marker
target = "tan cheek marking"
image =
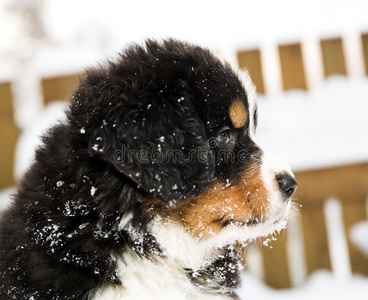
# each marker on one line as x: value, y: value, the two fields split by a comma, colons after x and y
x: 226, y: 204
x: 238, y: 113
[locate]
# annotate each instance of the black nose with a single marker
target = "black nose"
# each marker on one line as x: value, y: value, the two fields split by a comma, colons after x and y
x: 287, y: 185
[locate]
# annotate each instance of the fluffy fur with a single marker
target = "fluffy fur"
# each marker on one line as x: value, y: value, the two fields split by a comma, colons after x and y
x: 145, y: 189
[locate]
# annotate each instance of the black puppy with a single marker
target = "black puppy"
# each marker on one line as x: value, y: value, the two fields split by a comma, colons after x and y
x: 143, y: 191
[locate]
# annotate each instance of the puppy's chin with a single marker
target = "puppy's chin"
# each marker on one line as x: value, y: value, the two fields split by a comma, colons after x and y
x: 245, y: 233
x: 191, y: 251
x: 175, y: 236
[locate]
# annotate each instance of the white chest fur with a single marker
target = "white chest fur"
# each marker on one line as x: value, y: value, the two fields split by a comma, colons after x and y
x: 145, y: 279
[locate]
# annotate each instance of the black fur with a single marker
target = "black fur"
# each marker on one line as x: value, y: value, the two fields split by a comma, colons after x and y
x: 222, y: 275
x: 58, y: 237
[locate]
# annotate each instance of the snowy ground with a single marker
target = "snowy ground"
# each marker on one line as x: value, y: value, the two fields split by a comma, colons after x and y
x: 320, y: 286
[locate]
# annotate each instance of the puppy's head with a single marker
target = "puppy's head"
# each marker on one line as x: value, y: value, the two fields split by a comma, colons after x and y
x: 180, y: 124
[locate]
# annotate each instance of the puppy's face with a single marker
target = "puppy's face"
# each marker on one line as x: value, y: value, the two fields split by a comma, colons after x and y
x: 250, y: 187
x: 180, y: 125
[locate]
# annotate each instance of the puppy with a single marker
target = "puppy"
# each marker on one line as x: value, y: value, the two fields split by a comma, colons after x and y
x: 145, y: 189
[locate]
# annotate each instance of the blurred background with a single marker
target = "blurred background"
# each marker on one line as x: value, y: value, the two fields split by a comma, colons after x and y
x: 309, y: 61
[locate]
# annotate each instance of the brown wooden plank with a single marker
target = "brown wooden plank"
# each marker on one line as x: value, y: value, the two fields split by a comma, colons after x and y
x: 337, y: 181
x: 251, y: 61
x: 315, y: 236
x: 8, y: 134
x: 276, y: 270
x: 292, y: 67
x: 365, y: 51
x: 59, y: 88
x: 333, y: 57
x: 6, y: 99
x: 354, y: 211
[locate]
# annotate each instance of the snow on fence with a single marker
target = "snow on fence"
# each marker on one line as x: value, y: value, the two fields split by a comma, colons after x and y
x: 332, y: 199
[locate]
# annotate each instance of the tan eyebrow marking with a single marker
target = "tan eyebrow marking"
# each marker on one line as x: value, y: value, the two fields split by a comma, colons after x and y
x: 238, y: 113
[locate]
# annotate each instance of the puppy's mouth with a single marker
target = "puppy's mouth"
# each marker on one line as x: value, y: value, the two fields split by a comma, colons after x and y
x: 250, y: 223
x: 225, y: 221
x: 253, y: 221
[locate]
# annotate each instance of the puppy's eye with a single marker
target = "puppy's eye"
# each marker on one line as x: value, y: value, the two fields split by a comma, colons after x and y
x: 223, y: 137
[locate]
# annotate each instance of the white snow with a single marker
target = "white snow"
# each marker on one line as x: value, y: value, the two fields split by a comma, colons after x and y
x: 59, y: 183
x: 321, y: 285
x: 65, y: 59
x: 30, y: 139
x: 209, y: 22
x: 359, y: 236
x: 93, y: 191
x: 5, y: 198
x: 317, y: 129
x: 337, y: 240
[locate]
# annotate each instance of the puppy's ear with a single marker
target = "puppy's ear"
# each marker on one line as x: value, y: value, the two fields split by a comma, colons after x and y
x: 162, y: 146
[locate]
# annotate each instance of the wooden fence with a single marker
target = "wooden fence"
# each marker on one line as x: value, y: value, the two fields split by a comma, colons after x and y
x: 348, y: 184
x: 53, y: 88
x: 292, y: 62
